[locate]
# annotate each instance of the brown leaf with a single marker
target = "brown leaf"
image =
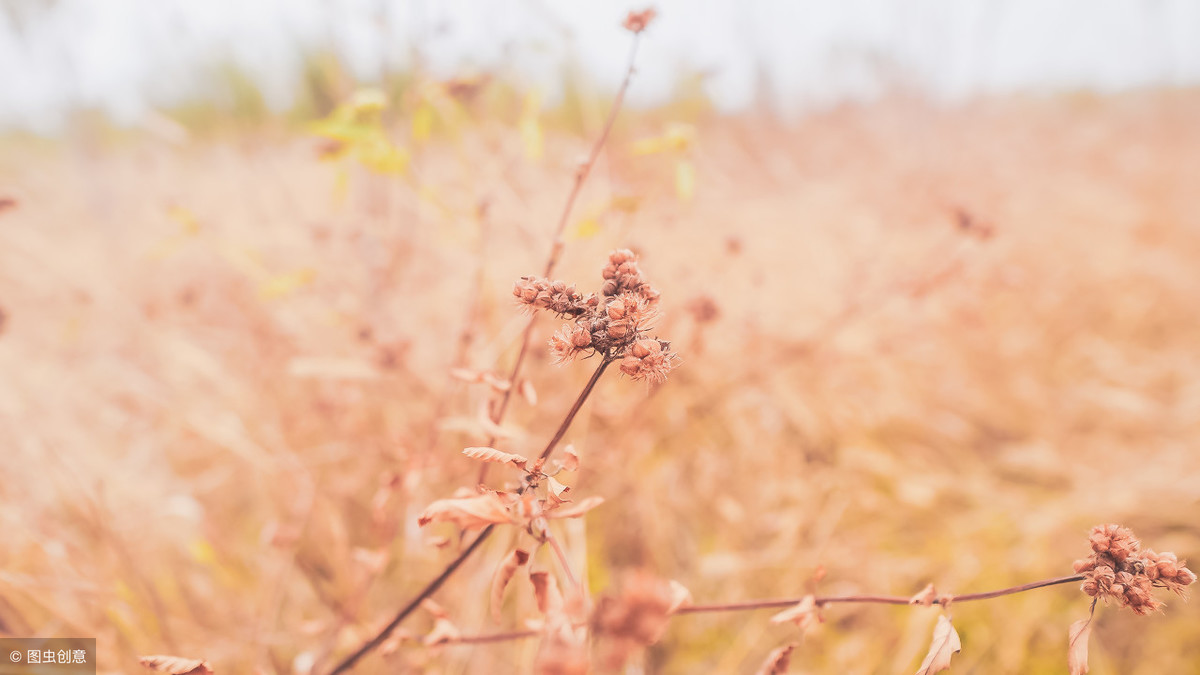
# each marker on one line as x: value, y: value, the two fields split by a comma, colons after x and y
x: 925, y: 598
x: 469, y: 513
x: 545, y: 589
x: 806, y: 614
x: 504, y: 574
x: 1077, y: 646
x: 576, y: 509
x: 778, y: 661
x: 174, y: 665
x: 945, y: 643
x: 529, y: 392
x: 486, y: 454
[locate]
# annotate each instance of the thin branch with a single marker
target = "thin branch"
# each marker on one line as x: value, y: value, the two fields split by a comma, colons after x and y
x: 777, y: 604
x: 432, y: 586
x: 556, y: 246
x: 429, y: 590
x: 566, y: 423
x: 870, y: 599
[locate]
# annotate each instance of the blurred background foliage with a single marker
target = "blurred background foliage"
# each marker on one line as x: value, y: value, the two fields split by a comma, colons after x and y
x: 921, y: 343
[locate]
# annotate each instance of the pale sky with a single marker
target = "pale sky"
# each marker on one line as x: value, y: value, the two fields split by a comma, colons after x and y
x: 129, y: 56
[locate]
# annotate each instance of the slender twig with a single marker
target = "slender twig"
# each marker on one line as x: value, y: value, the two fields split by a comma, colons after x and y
x: 818, y: 600
x: 562, y: 561
x: 872, y: 599
x: 556, y: 246
x: 348, y: 662
x: 566, y: 423
x: 432, y: 586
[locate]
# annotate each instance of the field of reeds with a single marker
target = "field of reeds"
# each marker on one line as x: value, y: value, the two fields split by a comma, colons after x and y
x: 915, y: 344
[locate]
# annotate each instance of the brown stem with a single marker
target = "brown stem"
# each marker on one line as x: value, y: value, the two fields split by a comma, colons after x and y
x: 556, y: 245
x: 432, y: 586
x: 566, y: 423
x: 875, y: 599
x: 562, y: 561
x: 776, y: 604
x: 429, y: 590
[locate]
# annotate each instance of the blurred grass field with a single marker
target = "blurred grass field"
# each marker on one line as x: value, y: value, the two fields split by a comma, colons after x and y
x: 919, y: 344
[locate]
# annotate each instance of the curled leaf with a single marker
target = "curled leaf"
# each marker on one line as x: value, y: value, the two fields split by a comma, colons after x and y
x: 174, y: 665
x: 806, y: 614
x: 557, y: 491
x: 945, y: 644
x: 545, y: 590
x: 1077, y: 646
x: 576, y: 509
x: 486, y: 454
x: 504, y: 574
x: 778, y: 661
x: 469, y: 513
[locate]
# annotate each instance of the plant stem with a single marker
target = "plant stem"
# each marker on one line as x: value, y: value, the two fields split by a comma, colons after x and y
x: 788, y: 602
x: 432, y: 586
x: 429, y: 590
x: 556, y: 244
x: 566, y: 423
x: 870, y: 599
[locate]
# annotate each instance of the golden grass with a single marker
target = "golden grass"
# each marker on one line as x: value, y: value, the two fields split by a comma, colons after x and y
x: 212, y: 367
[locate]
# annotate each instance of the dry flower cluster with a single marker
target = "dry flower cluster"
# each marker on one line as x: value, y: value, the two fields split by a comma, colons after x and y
x: 1120, y: 569
x: 614, y: 324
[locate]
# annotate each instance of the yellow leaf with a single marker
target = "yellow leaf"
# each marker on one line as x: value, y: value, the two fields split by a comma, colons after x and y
x: 685, y: 180
x: 202, y: 552
x: 530, y: 126
x: 422, y: 122
x: 586, y: 228
x: 285, y: 284
x: 185, y: 218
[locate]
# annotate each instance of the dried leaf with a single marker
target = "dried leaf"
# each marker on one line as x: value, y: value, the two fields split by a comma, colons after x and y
x: 174, y: 665
x: 469, y: 513
x: 498, y: 384
x: 806, y: 614
x: 435, y: 610
x: 945, y: 644
x: 467, y: 375
x: 778, y: 661
x: 528, y: 392
x: 504, y: 574
x: 575, y: 510
x: 545, y: 589
x: 680, y: 597
x: 571, y: 461
x: 1077, y: 646
x: 443, y: 631
x: 925, y: 598
x: 486, y: 454
x: 557, y: 491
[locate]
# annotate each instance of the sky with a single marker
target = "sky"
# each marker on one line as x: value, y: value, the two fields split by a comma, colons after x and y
x: 128, y: 57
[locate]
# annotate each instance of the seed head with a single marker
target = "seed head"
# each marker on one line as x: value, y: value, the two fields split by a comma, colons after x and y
x: 1120, y: 569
